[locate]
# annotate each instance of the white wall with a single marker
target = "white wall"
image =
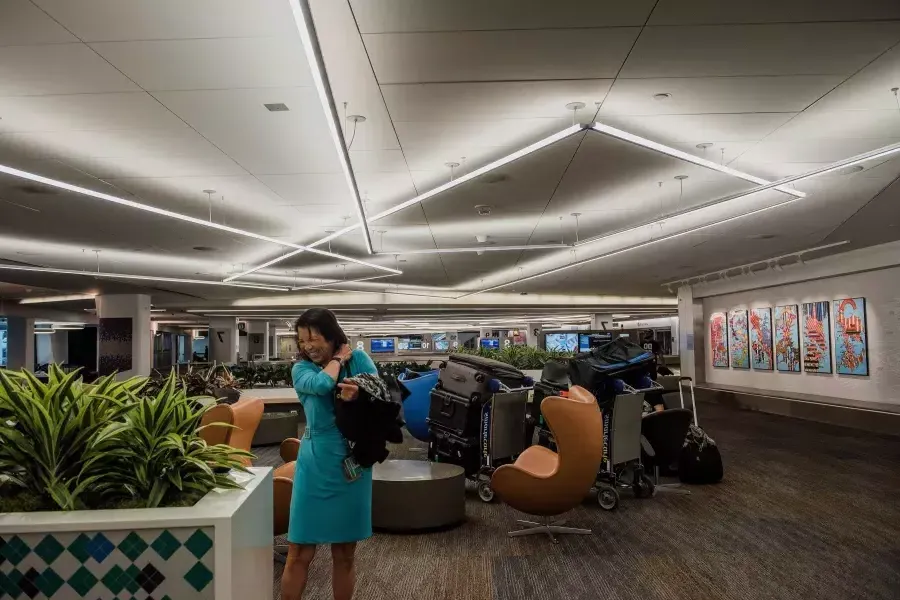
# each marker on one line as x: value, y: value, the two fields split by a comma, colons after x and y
x: 880, y: 288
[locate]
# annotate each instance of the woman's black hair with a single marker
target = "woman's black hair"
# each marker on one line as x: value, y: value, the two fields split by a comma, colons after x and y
x: 323, y: 321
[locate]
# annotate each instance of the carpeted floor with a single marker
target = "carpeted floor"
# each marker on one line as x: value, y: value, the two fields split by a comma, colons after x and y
x: 806, y: 511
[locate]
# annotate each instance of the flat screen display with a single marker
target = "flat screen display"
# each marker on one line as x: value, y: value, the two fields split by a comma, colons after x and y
x: 382, y: 345
x: 561, y: 342
x: 440, y: 341
x: 584, y: 339
x: 490, y: 343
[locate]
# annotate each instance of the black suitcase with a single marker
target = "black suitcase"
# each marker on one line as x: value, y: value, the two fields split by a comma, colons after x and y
x: 470, y: 376
x: 700, y: 460
x: 456, y: 414
x: 448, y: 448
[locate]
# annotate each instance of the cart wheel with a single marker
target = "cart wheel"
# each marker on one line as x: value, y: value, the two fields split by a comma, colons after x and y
x: 485, y: 492
x: 644, y: 488
x: 608, y: 498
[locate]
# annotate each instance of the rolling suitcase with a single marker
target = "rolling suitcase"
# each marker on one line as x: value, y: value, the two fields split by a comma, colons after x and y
x: 700, y: 460
x: 461, y: 451
x: 471, y: 376
x: 457, y: 414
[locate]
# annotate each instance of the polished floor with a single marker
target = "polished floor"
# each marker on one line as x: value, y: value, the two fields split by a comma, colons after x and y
x: 806, y: 511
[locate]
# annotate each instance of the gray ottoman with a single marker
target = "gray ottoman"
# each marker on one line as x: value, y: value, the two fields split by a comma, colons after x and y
x: 410, y: 495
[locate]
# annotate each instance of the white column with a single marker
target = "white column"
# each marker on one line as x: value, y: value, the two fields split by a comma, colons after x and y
x: 19, y: 343
x: 602, y: 321
x: 113, y: 352
x: 691, y: 335
x: 223, y: 339
x: 533, y: 334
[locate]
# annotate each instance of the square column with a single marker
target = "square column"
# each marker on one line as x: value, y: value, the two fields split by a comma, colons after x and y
x: 602, y: 322
x: 223, y: 340
x: 124, y: 335
x: 691, y: 335
x: 533, y: 334
x: 19, y: 343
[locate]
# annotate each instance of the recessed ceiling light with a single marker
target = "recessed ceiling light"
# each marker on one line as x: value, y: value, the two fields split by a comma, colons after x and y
x: 205, y: 249
x: 705, y: 145
x: 763, y: 236
x: 36, y: 189
x: 277, y: 107
x: 662, y: 97
x: 850, y: 170
x: 496, y: 178
x: 483, y: 209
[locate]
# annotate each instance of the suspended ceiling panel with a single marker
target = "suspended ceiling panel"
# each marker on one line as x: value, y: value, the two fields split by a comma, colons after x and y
x: 695, y: 12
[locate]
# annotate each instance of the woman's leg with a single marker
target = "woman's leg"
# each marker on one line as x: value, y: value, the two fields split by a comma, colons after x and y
x: 296, y: 571
x: 343, y: 577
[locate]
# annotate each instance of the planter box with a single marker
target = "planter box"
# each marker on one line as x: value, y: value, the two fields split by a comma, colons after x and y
x: 220, y: 548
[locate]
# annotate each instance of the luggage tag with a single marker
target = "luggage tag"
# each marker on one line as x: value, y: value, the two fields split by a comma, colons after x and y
x: 352, y: 470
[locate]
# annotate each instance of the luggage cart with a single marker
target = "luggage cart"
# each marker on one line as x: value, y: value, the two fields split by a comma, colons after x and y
x: 500, y: 439
x: 621, y: 466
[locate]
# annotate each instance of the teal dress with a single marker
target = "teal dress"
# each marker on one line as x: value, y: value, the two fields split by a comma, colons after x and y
x: 325, y: 507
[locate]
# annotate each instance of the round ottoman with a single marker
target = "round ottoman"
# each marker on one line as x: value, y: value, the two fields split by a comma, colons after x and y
x: 410, y: 495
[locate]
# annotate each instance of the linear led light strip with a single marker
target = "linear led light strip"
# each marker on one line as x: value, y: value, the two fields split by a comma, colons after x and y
x: 479, y: 249
x: 673, y: 152
x: 307, y: 28
x: 561, y: 135
x: 879, y: 153
x: 65, y: 298
x: 340, y: 282
x: 174, y: 215
x: 100, y: 275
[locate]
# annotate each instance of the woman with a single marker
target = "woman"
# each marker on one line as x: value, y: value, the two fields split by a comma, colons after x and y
x: 330, y: 504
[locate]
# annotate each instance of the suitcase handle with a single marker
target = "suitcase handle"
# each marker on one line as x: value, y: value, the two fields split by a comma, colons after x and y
x: 447, y: 408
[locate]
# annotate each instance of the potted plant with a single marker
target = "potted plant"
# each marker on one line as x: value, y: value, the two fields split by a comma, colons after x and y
x: 122, y: 493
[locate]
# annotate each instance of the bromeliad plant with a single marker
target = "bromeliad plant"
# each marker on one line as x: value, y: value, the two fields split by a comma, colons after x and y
x: 65, y: 445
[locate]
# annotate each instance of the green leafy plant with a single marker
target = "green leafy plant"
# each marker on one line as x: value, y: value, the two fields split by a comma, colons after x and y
x: 208, y: 382
x: 520, y: 357
x: 65, y: 445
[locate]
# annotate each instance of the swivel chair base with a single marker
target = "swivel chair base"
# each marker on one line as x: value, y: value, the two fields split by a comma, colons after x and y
x: 551, y: 528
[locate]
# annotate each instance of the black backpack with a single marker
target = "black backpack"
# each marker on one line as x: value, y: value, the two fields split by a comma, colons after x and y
x: 700, y: 460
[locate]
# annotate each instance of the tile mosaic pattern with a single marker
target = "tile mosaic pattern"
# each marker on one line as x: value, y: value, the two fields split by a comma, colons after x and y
x: 143, y: 564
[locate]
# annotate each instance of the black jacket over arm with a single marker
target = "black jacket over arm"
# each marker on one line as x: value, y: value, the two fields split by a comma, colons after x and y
x: 370, y: 421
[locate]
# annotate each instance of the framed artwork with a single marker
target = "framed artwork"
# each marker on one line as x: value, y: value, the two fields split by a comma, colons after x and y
x: 738, y: 339
x: 761, y: 339
x: 851, y: 351
x: 787, y: 338
x: 816, y: 337
x: 718, y: 340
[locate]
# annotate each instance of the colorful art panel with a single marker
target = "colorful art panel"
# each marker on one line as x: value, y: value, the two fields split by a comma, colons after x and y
x: 787, y: 338
x: 761, y: 339
x: 851, y: 352
x: 738, y: 339
x: 718, y: 340
x: 816, y: 337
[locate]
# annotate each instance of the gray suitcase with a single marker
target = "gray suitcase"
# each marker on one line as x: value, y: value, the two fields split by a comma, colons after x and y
x: 470, y: 376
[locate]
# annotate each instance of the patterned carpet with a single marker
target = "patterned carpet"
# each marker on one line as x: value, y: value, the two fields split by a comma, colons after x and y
x: 806, y: 511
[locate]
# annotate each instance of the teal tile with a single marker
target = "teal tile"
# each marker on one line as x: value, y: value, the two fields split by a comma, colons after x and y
x: 198, y: 544
x: 79, y: 548
x: 131, y: 582
x: 132, y: 546
x: 115, y: 579
x: 9, y: 583
x: 49, y: 549
x: 82, y: 581
x: 199, y: 577
x: 15, y: 550
x: 166, y: 545
x: 49, y: 582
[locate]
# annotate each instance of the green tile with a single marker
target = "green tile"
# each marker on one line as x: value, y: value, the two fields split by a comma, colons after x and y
x: 15, y: 550
x: 131, y: 582
x: 199, y: 577
x: 132, y: 546
x: 115, y: 579
x: 82, y: 581
x: 166, y: 545
x: 198, y: 544
x: 79, y: 548
x: 9, y: 583
x: 49, y: 582
x: 49, y: 549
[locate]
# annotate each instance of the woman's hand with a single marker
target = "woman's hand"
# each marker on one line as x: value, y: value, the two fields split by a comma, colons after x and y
x: 344, y: 352
x: 349, y: 392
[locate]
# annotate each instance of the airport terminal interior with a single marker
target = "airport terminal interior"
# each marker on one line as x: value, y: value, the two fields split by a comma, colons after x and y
x: 623, y: 276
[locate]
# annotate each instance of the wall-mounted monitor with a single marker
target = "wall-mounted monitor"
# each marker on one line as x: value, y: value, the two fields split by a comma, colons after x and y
x: 490, y: 343
x: 440, y: 341
x: 382, y: 345
x: 584, y: 339
x: 410, y: 342
x: 561, y: 342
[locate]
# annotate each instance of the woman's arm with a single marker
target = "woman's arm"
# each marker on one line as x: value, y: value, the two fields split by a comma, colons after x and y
x: 310, y: 380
